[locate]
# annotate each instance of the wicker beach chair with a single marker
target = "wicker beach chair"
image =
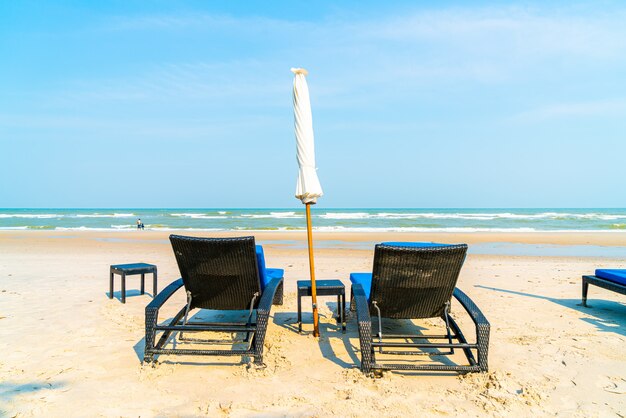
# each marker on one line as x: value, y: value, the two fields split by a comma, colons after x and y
x: 416, y: 281
x: 217, y: 274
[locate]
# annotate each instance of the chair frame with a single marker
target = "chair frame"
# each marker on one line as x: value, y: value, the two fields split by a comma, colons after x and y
x: 254, y: 330
x: 603, y: 283
x: 369, y: 345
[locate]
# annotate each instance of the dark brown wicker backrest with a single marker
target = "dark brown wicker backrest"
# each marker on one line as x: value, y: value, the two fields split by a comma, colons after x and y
x: 415, y: 282
x: 220, y: 273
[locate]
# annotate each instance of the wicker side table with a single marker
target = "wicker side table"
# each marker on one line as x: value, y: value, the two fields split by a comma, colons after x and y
x: 129, y: 270
x: 324, y: 288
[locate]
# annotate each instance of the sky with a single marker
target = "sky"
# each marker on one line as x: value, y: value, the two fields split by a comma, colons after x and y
x: 184, y: 104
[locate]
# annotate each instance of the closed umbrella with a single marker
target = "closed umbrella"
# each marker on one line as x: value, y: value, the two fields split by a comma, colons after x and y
x: 308, y: 187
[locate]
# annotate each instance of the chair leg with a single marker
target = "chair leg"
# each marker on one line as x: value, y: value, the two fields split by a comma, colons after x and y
x: 259, y: 337
x: 482, y: 338
x: 352, y: 303
x: 143, y: 278
x: 585, y: 290
x: 151, y: 321
x: 154, y: 283
x: 299, y: 313
x: 123, y: 287
x: 365, y: 339
x: 111, y: 286
x: 342, y: 306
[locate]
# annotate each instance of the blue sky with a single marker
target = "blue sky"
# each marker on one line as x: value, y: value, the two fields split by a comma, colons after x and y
x: 415, y: 104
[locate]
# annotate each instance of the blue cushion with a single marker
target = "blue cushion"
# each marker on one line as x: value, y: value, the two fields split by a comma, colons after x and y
x: 266, y: 274
x: 614, y: 275
x: 415, y: 244
x: 260, y: 260
x: 274, y: 274
x: 365, y: 280
x: 260, y: 257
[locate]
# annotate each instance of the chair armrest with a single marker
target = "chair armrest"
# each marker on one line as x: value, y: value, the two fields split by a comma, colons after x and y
x: 265, y: 304
x: 482, y: 327
x: 164, y: 295
x: 262, y: 317
x: 471, y: 308
x: 362, y: 306
x: 365, y: 327
x: 152, y: 317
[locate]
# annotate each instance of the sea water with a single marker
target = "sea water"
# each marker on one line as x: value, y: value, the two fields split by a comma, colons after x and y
x: 342, y: 220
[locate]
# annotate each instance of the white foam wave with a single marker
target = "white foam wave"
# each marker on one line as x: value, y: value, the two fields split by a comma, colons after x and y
x: 274, y: 215
x: 471, y: 216
x: 30, y: 215
x: 419, y: 229
x: 105, y: 215
x: 84, y: 228
x: 162, y: 228
x: 347, y: 215
x: 464, y: 230
x: 198, y: 216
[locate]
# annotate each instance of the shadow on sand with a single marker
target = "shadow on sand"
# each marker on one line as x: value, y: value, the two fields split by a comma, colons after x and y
x: 607, y: 316
x: 330, y: 335
x: 9, y: 390
x: 174, y: 341
x: 328, y: 332
x: 129, y: 294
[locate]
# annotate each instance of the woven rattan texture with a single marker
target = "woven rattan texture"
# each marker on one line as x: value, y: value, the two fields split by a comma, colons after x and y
x: 415, y: 282
x: 220, y: 273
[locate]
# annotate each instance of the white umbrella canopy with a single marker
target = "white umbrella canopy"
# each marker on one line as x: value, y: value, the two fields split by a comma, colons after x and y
x: 308, y: 187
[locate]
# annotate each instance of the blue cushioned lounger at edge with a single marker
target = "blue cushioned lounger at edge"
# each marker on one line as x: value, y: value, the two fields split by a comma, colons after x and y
x: 610, y: 279
x: 614, y: 275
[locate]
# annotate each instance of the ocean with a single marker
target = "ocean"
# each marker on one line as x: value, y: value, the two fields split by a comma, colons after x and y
x: 343, y: 220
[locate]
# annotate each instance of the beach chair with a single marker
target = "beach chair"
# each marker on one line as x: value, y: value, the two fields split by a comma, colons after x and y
x: 609, y: 279
x: 218, y: 274
x: 415, y: 281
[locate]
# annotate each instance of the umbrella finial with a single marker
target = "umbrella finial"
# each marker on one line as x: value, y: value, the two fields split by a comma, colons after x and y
x: 299, y: 71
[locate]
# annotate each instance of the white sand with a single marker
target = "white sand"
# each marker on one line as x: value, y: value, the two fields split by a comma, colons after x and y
x: 68, y: 350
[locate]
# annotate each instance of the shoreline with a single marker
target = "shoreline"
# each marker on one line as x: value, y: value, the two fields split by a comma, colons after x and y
x: 604, y: 238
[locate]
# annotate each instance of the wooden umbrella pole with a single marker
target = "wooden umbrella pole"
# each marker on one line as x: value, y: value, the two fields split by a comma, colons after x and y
x: 316, y: 326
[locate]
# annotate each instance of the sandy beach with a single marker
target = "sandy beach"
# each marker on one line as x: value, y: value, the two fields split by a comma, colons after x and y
x: 69, y: 350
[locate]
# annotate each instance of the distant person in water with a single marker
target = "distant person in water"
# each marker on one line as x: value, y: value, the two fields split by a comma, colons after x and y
x: 139, y: 223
